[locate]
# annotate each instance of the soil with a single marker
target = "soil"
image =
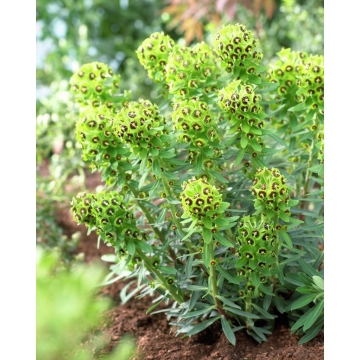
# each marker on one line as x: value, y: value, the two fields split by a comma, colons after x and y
x: 153, y: 334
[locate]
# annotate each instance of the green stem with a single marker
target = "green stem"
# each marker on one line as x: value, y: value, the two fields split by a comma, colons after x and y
x: 179, y: 297
x: 248, y: 308
x: 214, y: 287
x: 310, y: 164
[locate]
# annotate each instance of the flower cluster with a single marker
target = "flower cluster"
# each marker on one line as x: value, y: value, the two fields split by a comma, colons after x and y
x: 188, y: 68
x: 139, y: 125
x: 241, y: 105
x: 200, y: 199
x: 93, y: 81
x: 195, y: 122
x: 236, y: 47
x: 100, y: 146
x: 312, y: 82
x: 271, y: 192
x: 105, y: 211
x: 153, y: 54
x: 255, y: 251
x: 286, y: 71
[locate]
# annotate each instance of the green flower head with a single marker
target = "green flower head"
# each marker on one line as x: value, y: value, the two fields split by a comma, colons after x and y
x: 234, y: 45
x: 200, y: 199
x: 94, y: 81
x: 270, y: 191
x: 153, y: 54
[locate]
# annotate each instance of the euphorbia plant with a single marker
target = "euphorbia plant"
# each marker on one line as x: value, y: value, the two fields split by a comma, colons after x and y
x: 213, y: 196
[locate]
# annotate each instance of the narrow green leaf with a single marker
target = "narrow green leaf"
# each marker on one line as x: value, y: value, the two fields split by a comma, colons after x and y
x: 308, y: 268
x: 315, y: 313
x: 198, y: 312
x: 227, y: 330
x: 226, y: 275
x: 258, y: 332
x: 285, y: 237
x: 197, y: 287
x: 207, y: 222
x: 202, y: 326
x: 242, y: 313
x: 310, y: 334
x: 244, y: 141
x: 153, y: 307
x: 217, y: 176
x: 263, y: 312
x: 223, y: 241
x: 299, y: 107
x: 146, y: 248
x: 302, y: 301
x: 239, y: 157
x: 130, y: 246
x: 207, y: 235
x: 167, y: 270
x: 228, y: 302
x: 188, y: 266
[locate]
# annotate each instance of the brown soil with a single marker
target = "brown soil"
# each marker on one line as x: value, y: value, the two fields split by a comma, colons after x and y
x: 152, y: 333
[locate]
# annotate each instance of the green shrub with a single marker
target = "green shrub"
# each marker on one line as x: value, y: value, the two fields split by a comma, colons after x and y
x: 214, y: 194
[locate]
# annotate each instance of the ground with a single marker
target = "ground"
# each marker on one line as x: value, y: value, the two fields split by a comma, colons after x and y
x: 153, y: 334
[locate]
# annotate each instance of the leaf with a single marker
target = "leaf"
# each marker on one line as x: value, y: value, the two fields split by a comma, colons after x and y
x: 130, y: 246
x: 318, y: 282
x: 242, y: 313
x: 202, y: 326
x: 167, y: 270
x: 310, y: 334
x: 239, y: 157
x: 302, y: 301
x: 207, y: 235
x: 153, y: 307
x: 299, y: 107
x: 308, y: 268
x: 227, y: 330
x: 226, y: 275
x: 263, y: 312
x: 207, y: 222
x: 315, y: 313
x: 284, y: 235
x: 228, y: 302
x: 197, y: 312
x: 145, y: 247
x: 223, y: 241
x: 197, y: 288
x: 217, y: 176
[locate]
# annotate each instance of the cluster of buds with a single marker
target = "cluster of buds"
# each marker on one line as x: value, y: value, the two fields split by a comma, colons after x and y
x: 100, y: 146
x: 195, y: 122
x: 94, y: 81
x: 237, y: 48
x: 200, y: 199
x: 106, y: 212
x: 139, y: 125
x: 311, y: 85
x: 255, y: 250
x: 241, y: 104
x: 286, y: 72
x: 153, y: 54
x: 190, y: 68
x: 271, y: 192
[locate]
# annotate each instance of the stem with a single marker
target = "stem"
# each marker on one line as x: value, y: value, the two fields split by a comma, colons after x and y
x: 214, y: 287
x: 248, y: 308
x: 171, y: 289
x: 276, y: 249
x: 310, y: 164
